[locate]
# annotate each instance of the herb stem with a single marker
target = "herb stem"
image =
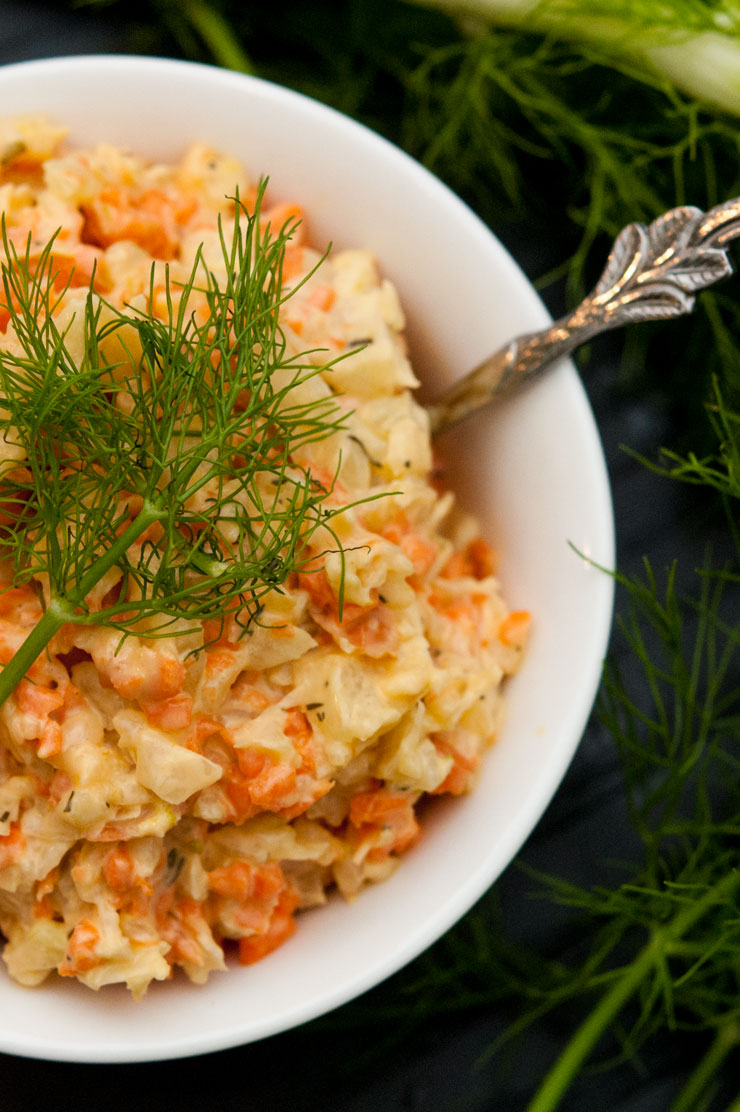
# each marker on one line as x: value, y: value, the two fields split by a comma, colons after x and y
x: 148, y: 514
x: 218, y: 36
x: 725, y: 1039
x: 559, y: 1078
x: 63, y: 609
x: 565, y: 1069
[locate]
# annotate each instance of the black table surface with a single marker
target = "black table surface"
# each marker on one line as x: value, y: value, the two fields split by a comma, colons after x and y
x: 441, y: 1065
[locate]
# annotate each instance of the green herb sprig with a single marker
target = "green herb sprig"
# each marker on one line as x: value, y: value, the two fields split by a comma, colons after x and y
x: 117, y: 453
x: 666, y: 955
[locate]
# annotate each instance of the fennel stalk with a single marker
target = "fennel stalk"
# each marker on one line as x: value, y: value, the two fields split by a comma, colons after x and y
x: 696, y: 47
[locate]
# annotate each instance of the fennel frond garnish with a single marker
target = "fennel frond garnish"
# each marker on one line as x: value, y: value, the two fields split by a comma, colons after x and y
x: 166, y: 466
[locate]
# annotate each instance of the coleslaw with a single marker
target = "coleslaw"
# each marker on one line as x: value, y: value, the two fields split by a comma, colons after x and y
x: 164, y: 802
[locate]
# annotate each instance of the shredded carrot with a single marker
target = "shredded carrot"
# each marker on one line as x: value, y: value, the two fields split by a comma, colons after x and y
x: 81, y: 955
x: 293, y: 263
x: 463, y: 610
x: 256, y: 947
x: 370, y: 628
x: 47, y: 885
x: 383, y: 809
x: 460, y: 777
x: 300, y: 731
x: 251, y: 762
x: 232, y: 881
x: 251, y: 699
x: 41, y: 702
x: 321, y: 297
x: 478, y: 559
x: 253, y: 782
x: 420, y: 550
x: 12, y: 845
x: 319, y: 590
x: 34, y: 699
x: 60, y: 785
x: 271, y: 788
x: 376, y: 805
x: 42, y: 908
x: 515, y: 627
x: 50, y: 740
x: 150, y: 218
x: 13, y: 597
x: 179, y: 921
x: 175, y: 713
x: 277, y: 216
x: 282, y: 926
x: 119, y: 870
x: 219, y: 659
x: 242, y: 880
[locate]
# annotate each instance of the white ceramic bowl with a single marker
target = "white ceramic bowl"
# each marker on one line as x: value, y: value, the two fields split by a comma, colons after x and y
x: 533, y: 470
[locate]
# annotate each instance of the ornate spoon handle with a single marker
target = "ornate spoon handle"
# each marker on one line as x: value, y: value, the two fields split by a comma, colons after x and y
x: 652, y: 273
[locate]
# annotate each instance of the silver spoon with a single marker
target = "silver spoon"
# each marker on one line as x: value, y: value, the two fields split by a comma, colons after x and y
x: 652, y: 273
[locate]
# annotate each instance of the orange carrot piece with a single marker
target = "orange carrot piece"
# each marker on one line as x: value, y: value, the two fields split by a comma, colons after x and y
x: 12, y: 845
x: 514, y: 628
x: 119, y: 870
x: 175, y: 713
x: 293, y: 263
x: 460, y: 777
x: 285, y: 213
x: 421, y: 551
x: 234, y: 882
x: 81, y: 948
x: 282, y: 926
x: 149, y: 219
x: 376, y: 805
x: 321, y: 297
x: 32, y: 698
x: 478, y: 560
x: 258, y: 946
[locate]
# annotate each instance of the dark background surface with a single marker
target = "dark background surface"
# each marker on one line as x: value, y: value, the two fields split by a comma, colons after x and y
x: 353, y: 1064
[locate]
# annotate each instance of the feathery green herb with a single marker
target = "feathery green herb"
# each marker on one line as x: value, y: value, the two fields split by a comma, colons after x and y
x: 164, y: 456
x: 666, y: 956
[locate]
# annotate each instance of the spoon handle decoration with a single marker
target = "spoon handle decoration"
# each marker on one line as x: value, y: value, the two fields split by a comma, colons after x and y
x: 652, y: 273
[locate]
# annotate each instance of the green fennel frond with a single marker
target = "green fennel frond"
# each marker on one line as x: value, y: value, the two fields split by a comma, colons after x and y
x: 668, y: 950
x: 161, y: 462
x: 722, y: 469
